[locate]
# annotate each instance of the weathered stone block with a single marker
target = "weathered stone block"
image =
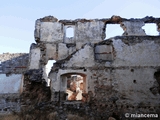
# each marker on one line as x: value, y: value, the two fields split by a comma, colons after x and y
x: 37, y: 30
x: 62, y: 51
x: 108, y: 57
x: 69, y: 40
x: 79, y: 45
x: 35, y: 56
x: 103, y: 49
x: 51, y: 32
x: 71, y: 50
x: 51, y: 52
x: 91, y: 31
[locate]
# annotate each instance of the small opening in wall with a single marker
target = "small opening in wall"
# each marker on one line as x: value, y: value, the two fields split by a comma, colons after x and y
x: 69, y: 32
x: 132, y: 70
x: 113, y: 30
x: 48, y: 69
x: 157, y: 76
x: 134, y: 81
x: 85, y: 70
x: 151, y: 29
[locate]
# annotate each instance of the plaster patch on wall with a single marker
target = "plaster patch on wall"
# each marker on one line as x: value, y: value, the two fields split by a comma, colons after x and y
x: 10, y: 84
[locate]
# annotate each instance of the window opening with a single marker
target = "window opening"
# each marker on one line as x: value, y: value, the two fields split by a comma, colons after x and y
x: 113, y: 30
x: 69, y: 32
x: 151, y: 29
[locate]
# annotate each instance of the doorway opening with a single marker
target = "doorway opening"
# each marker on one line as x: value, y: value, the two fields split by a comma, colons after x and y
x: 74, y: 84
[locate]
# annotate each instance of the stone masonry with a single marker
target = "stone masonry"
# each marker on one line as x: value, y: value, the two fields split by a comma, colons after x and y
x: 93, y: 78
x: 12, y: 68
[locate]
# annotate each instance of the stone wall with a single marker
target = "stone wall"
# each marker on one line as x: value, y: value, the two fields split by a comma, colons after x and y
x: 119, y: 72
x: 11, y: 84
x: 13, y: 63
x: 9, y: 102
x: 119, y: 75
x: 54, y: 44
x: 124, y: 80
x: 12, y: 68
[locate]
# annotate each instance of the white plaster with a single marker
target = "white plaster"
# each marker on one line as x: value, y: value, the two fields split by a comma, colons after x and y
x: 90, y: 31
x: 145, y: 53
x: 51, y: 32
x: 103, y: 49
x: 140, y: 90
x: 10, y: 84
x: 82, y: 58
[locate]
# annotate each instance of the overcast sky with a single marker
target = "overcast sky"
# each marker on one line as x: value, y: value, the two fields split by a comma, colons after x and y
x: 17, y: 17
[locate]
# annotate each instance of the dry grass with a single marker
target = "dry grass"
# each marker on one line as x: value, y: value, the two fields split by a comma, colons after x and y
x: 52, y: 116
x: 74, y: 117
x: 9, y: 117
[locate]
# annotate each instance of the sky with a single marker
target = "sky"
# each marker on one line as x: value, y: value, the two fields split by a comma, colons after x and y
x: 17, y: 17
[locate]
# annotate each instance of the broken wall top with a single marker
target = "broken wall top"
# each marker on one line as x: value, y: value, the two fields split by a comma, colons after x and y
x: 13, y: 63
x: 58, y: 39
x: 50, y: 29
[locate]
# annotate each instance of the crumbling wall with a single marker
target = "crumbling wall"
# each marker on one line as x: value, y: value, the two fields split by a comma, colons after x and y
x: 117, y: 70
x: 125, y: 82
x: 133, y: 67
x: 54, y: 44
x: 13, y: 63
x: 12, y: 68
x: 50, y: 35
x: 121, y: 74
x: 9, y: 102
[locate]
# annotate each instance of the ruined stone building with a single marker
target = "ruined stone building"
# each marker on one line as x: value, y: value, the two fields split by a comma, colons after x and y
x: 93, y: 77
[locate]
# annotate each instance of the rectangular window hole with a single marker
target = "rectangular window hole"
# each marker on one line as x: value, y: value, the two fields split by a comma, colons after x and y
x: 69, y: 32
x: 113, y: 30
x: 151, y: 29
